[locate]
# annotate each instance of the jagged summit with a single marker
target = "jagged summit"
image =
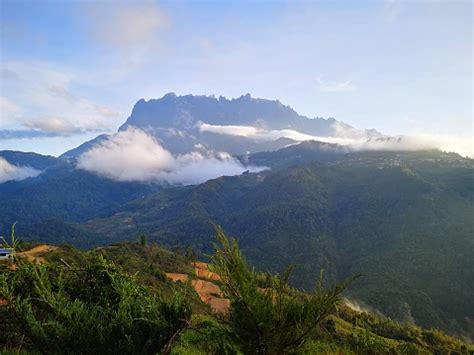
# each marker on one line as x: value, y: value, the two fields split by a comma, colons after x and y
x: 236, y: 125
x: 184, y: 111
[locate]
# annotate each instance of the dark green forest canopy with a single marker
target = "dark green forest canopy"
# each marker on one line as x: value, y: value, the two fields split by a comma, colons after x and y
x: 404, y: 221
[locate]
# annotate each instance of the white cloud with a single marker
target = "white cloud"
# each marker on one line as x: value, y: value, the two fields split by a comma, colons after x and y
x: 39, y: 98
x: 335, y: 86
x: 125, y: 26
x: 340, y: 129
x: 133, y: 155
x: 260, y: 134
x: 355, y: 139
x: 242, y: 131
x: 257, y: 133
x: 7, y: 107
x: 8, y: 111
x: 289, y: 133
x: 54, y: 125
x: 127, y: 156
x: 12, y: 172
x: 195, y: 168
x: 464, y: 146
x: 360, y: 307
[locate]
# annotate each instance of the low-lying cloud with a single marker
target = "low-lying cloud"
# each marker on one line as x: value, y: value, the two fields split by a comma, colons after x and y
x: 354, y: 139
x: 13, y: 172
x: 461, y: 145
x: 256, y: 133
x: 361, y: 307
x: 134, y: 155
x: 233, y: 130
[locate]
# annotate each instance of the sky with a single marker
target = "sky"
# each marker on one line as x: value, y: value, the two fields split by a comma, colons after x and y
x: 71, y: 70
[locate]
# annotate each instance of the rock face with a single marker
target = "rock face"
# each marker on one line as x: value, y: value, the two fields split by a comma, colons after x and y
x: 178, y: 123
x: 202, y: 271
x: 209, y: 292
x: 238, y: 126
x: 186, y: 111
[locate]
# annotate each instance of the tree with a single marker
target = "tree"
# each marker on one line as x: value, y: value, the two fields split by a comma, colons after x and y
x: 143, y: 240
x: 277, y: 319
x: 190, y: 254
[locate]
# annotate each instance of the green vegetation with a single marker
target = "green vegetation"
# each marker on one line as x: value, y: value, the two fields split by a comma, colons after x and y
x: 276, y: 319
x: 14, y: 242
x: 94, y: 308
x: 62, y: 193
x: 401, y: 220
x: 112, y: 300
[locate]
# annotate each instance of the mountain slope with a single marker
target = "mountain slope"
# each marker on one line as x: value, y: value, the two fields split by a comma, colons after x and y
x: 56, y: 189
x: 345, y: 330
x: 62, y: 193
x: 33, y: 160
x: 400, y: 219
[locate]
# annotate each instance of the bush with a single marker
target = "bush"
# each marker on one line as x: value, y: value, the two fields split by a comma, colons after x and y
x: 206, y: 336
x: 96, y: 308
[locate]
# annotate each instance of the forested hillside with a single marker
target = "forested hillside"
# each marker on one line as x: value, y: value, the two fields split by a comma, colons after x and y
x: 402, y: 220
x: 121, y: 299
x: 63, y: 193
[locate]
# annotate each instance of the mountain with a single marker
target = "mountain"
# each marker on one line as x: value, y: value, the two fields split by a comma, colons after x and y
x: 60, y: 193
x: 17, y: 166
x: 186, y: 111
x: 84, y: 147
x: 236, y: 126
x: 36, y: 188
x: 32, y: 160
x: 397, y: 218
x: 401, y: 219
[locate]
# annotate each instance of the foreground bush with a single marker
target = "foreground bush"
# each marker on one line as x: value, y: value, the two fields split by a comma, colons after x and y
x: 95, y: 308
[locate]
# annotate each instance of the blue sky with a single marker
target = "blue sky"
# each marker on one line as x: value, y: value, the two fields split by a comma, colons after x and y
x: 73, y: 69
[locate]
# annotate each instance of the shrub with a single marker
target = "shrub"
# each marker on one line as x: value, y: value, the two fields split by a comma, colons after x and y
x: 96, y: 308
x: 206, y: 336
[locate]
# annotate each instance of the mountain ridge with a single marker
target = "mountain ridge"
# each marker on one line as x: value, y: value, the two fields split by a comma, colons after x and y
x: 178, y: 123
